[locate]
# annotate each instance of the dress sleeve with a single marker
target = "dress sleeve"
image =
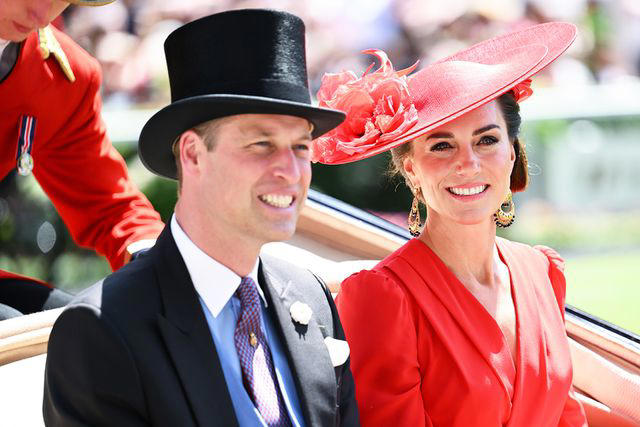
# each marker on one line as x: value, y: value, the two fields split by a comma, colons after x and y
x: 379, y: 327
x: 87, y: 181
x: 573, y: 413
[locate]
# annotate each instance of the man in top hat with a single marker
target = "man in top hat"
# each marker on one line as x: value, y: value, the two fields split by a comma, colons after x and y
x: 202, y: 330
x: 50, y: 127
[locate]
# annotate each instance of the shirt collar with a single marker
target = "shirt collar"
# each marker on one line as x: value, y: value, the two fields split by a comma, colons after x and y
x: 3, y: 45
x: 214, y: 282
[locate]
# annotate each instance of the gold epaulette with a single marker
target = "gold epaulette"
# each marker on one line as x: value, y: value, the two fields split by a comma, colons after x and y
x: 49, y: 45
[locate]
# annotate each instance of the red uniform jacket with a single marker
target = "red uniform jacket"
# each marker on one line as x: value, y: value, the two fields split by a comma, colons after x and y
x: 425, y: 352
x: 74, y: 161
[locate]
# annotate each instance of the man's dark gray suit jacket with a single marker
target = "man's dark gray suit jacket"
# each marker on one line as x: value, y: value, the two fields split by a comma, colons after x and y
x: 135, y: 349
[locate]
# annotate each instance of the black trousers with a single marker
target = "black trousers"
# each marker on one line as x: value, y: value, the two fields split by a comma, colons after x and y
x: 18, y: 297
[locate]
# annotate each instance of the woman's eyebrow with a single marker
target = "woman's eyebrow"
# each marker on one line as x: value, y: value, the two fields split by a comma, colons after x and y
x: 484, y: 129
x: 439, y: 135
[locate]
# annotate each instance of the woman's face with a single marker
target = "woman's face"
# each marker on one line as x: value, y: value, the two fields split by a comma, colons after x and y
x: 463, y: 168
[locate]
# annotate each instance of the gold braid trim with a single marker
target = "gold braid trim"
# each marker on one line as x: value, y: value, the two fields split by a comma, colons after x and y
x: 49, y: 45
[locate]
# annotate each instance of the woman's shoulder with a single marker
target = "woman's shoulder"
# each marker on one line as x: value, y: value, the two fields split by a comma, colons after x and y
x: 372, y: 299
x: 375, y: 277
x: 548, y: 255
x: 376, y: 283
x: 553, y: 257
x: 383, y: 273
x: 547, y: 259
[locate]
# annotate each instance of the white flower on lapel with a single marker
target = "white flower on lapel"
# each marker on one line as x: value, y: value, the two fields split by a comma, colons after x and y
x: 338, y: 350
x: 300, y: 312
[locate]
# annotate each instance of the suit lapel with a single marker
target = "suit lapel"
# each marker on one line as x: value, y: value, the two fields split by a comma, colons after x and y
x: 306, y: 352
x: 186, y: 334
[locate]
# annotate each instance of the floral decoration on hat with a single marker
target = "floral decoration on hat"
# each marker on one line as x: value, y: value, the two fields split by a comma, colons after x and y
x: 378, y: 107
x: 522, y: 90
x: 386, y: 108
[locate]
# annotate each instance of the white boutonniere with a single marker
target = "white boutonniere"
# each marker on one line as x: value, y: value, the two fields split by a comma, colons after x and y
x: 300, y: 312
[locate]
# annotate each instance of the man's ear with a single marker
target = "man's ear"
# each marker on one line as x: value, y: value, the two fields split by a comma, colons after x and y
x: 191, y: 147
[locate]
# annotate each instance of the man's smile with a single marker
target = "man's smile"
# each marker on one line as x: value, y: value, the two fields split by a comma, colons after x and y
x: 277, y: 200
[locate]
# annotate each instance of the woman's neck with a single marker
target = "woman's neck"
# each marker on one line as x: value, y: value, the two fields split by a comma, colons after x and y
x: 469, y: 251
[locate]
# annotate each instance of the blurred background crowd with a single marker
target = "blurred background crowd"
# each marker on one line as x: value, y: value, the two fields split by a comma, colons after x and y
x: 582, y: 126
x: 127, y: 37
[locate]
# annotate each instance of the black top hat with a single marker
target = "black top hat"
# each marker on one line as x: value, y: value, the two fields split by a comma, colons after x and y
x: 236, y: 62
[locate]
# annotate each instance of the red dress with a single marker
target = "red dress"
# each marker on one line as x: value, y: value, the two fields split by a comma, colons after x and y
x: 74, y: 161
x: 425, y: 352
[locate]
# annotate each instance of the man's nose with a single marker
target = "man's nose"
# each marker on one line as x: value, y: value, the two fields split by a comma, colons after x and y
x: 287, y: 166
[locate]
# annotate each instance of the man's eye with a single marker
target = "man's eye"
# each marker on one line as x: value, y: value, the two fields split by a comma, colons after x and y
x: 440, y: 146
x: 301, y: 147
x: 261, y: 144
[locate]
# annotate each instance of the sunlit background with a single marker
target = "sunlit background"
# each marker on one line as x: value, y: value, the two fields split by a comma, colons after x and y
x: 581, y: 127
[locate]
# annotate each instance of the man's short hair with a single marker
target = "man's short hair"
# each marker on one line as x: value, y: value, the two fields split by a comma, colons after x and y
x: 206, y: 131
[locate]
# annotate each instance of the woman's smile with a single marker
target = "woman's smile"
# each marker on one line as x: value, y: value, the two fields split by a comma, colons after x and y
x: 468, y: 191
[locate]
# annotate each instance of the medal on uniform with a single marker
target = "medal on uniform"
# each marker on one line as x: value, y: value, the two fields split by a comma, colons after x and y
x: 26, y: 135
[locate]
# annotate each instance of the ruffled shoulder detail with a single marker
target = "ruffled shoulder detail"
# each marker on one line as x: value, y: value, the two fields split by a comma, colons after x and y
x: 553, y: 256
x: 366, y: 279
x: 369, y: 287
x: 556, y: 274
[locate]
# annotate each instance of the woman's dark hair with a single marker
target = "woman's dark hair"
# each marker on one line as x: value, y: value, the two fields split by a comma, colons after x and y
x: 511, y: 113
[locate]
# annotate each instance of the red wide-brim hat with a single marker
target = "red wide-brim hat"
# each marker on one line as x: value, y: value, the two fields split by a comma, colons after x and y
x: 388, y: 108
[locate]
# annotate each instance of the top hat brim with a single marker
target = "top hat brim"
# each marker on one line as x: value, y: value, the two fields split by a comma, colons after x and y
x: 168, y: 123
x: 524, y: 53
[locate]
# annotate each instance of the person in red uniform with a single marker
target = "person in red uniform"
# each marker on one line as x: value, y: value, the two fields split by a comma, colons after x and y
x: 457, y: 327
x: 50, y: 126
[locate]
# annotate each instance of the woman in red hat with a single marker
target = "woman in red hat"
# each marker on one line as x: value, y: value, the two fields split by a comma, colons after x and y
x: 457, y: 327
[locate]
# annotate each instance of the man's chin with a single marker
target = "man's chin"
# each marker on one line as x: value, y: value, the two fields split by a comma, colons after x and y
x: 278, y: 234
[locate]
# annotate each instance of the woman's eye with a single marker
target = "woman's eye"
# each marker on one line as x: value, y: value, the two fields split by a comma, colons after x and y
x: 440, y: 146
x: 488, y: 140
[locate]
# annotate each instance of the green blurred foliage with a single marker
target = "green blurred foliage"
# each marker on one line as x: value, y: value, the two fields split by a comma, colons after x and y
x: 162, y: 193
x: 544, y: 133
x: 365, y: 184
x: 606, y: 285
x: 73, y: 272
x: 570, y: 233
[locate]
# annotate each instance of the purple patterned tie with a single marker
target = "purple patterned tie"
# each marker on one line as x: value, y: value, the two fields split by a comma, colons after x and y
x: 255, y: 358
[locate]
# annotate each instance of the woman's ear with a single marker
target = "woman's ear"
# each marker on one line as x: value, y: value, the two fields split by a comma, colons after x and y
x: 409, y: 168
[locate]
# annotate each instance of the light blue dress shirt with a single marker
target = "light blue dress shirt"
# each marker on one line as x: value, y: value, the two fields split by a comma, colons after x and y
x: 216, y: 286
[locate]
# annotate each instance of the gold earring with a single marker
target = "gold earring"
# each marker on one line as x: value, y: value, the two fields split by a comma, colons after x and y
x: 414, y: 217
x: 506, y: 214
